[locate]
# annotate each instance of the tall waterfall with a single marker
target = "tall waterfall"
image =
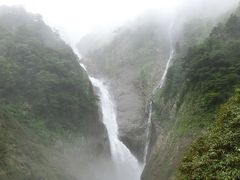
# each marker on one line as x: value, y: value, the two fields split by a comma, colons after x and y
x: 126, y: 165
x: 158, y: 86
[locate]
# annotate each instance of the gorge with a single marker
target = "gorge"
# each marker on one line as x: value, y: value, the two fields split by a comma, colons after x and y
x: 155, y: 98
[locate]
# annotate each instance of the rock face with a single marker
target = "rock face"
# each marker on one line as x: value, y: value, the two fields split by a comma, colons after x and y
x: 133, y: 61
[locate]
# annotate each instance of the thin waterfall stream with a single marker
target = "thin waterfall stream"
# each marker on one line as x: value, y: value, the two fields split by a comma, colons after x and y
x: 150, y: 100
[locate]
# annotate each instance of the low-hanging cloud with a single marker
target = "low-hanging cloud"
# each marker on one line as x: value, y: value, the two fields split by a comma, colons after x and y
x: 76, y: 18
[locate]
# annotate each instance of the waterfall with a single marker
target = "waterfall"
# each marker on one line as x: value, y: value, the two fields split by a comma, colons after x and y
x: 158, y: 86
x: 126, y: 165
x: 148, y: 130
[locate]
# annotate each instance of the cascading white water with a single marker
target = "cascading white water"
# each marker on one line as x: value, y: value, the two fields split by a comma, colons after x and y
x: 126, y: 165
x: 159, y: 86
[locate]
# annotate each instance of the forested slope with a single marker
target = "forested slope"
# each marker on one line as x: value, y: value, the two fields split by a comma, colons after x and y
x: 45, y: 98
x: 216, y: 154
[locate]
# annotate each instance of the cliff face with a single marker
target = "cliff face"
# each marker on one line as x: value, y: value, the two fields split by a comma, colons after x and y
x: 198, y: 83
x: 46, y: 100
x: 132, y: 63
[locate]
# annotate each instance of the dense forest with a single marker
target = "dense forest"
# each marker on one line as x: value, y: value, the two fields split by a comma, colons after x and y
x: 212, y: 71
x: 216, y: 154
x: 45, y: 97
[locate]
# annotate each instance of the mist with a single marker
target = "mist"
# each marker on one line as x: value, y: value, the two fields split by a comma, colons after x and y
x: 80, y: 160
x: 74, y: 19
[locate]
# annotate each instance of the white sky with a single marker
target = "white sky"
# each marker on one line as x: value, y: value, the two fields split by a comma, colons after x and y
x: 74, y: 18
x: 78, y: 17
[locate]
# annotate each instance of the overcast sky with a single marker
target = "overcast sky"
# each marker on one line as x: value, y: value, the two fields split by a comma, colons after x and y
x: 74, y: 18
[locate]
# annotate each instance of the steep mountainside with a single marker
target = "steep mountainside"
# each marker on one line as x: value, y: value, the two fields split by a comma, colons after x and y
x: 46, y: 99
x: 197, y: 84
x: 136, y: 50
x: 216, y: 154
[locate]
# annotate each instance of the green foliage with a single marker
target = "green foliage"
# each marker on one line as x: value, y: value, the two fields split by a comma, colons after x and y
x: 39, y: 71
x: 212, y: 68
x: 216, y: 155
x: 209, y: 71
x: 174, y: 80
x: 3, y: 148
x: 198, y: 83
x: 194, y: 33
x: 44, y: 96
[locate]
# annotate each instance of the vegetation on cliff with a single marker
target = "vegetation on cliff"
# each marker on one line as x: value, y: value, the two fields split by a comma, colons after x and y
x: 44, y: 96
x: 213, y: 71
x: 199, y: 82
x: 216, y: 154
x: 208, y: 74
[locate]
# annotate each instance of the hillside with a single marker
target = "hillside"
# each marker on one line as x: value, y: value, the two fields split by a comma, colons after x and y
x: 46, y: 99
x: 216, y: 154
x: 198, y: 83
